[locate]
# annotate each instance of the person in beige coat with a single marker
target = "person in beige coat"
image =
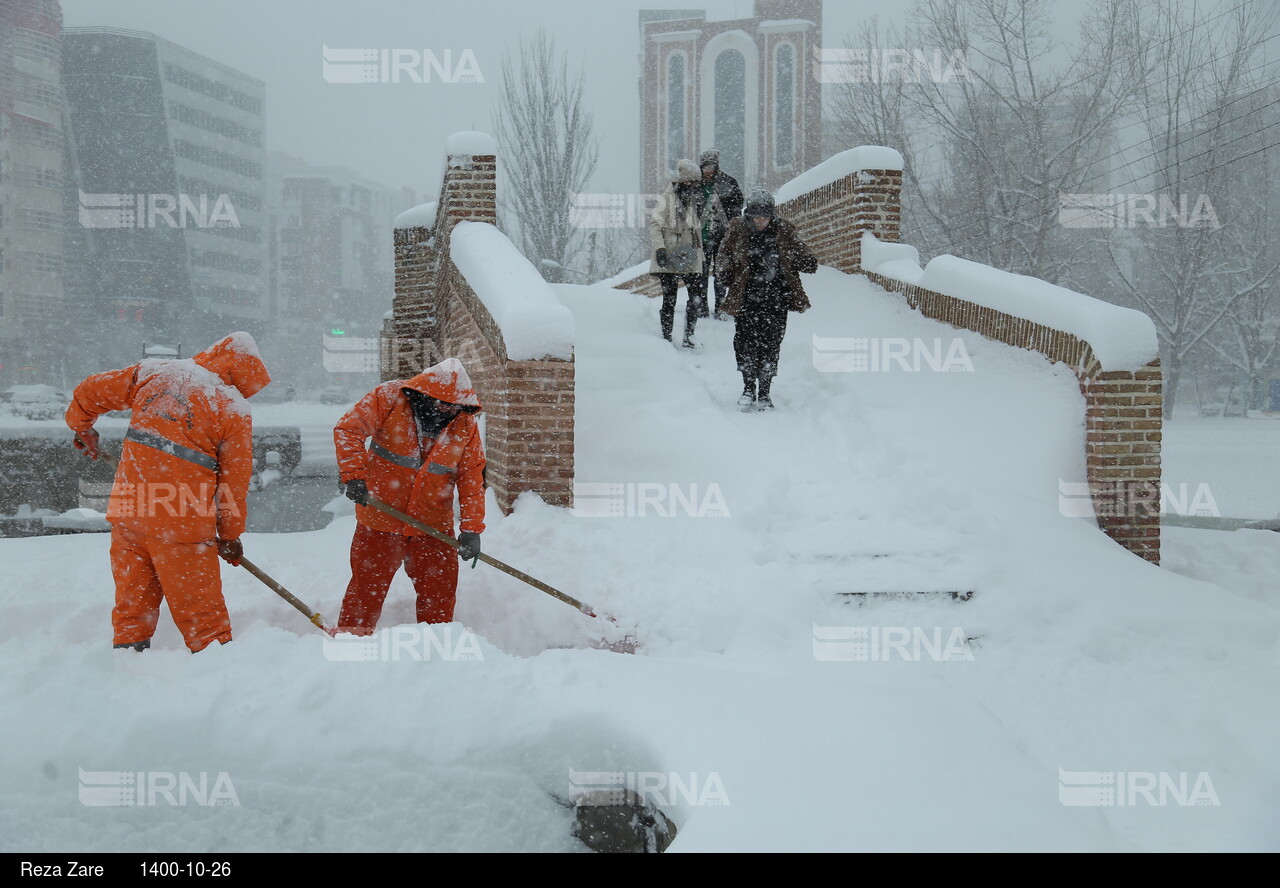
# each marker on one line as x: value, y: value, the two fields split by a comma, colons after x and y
x: 675, y: 232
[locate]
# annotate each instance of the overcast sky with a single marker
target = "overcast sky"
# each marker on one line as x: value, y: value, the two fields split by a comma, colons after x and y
x: 394, y: 132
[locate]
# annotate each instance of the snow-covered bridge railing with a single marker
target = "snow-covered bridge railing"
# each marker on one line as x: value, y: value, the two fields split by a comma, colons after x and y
x: 463, y: 290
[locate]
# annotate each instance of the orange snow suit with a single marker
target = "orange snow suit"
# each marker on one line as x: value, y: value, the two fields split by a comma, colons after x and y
x: 181, y: 484
x: 416, y: 475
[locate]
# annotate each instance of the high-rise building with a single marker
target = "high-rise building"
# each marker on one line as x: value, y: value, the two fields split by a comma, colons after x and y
x: 32, y: 157
x: 332, y: 263
x: 168, y: 149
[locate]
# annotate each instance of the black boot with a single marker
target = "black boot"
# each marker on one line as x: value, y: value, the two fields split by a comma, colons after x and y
x: 748, y: 398
x: 763, y: 401
x: 137, y: 645
x: 691, y: 321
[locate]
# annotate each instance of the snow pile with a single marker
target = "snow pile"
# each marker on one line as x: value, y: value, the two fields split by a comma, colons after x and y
x: 421, y: 216
x: 78, y: 519
x: 627, y: 274
x: 833, y: 169
x: 534, y: 324
x: 898, y: 261
x: 1121, y: 338
x: 470, y: 143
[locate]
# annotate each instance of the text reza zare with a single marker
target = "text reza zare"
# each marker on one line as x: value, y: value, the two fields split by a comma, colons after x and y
x: 73, y: 869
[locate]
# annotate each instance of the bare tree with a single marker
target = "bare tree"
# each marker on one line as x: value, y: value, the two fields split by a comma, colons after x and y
x: 545, y: 134
x: 990, y: 150
x: 1245, y: 344
x: 1187, y: 277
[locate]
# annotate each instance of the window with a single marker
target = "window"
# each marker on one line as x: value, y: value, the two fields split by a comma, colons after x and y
x: 41, y: 263
x: 730, y: 125
x: 784, y: 104
x: 38, y: 177
x: 219, y: 159
x: 215, y: 124
x: 676, y: 138
x: 40, y: 220
x: 223, y: 93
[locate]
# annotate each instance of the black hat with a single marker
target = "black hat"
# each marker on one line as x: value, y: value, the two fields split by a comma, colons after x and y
x: 759, y: 203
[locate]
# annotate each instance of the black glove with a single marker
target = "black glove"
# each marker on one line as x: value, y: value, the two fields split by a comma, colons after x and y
x: 88, y: 442
x: 231, y: 551
x: 468, y: 545
x: 357, y: 491
x: 661, y: 255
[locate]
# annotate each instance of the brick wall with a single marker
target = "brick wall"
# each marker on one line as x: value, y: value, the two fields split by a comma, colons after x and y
x: 528, y: 405
x: 1122, y: 413
x: 1122, y: 409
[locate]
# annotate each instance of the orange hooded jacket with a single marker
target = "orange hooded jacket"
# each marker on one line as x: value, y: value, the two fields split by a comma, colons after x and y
x: 403, y: 473
x: 188, y: 455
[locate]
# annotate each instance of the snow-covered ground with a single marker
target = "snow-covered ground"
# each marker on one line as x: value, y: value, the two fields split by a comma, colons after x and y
x: 738, y: 539
x: 1233, y: 464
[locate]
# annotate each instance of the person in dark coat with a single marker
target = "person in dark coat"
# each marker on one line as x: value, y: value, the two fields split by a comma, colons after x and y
x: 722, y: 201
x: 761, y: 260
x: 675, y: 232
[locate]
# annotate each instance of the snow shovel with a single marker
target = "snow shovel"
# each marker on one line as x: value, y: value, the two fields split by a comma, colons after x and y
x: 627, y: 645
x: 252, y: 568
x: 286, y: 595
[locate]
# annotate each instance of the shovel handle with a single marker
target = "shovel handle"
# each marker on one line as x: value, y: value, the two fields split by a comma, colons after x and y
x: 285, y: 594
x: 487, y: 559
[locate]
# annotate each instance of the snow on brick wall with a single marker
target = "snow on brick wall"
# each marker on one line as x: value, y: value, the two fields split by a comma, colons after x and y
x: 462, y: 290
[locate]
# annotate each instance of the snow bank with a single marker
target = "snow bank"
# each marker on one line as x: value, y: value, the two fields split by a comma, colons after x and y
x: 78, y: 519
x: 470, y: 142
x: 1121, y: 338
x: 864, y: 157
x: 627, y: 274
x: 534, y: 323
x: 898, y: 261
x: 421, y: 216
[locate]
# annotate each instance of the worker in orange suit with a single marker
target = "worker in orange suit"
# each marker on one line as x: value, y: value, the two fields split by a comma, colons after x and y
x: 425, y: 445
x: 178, y: 501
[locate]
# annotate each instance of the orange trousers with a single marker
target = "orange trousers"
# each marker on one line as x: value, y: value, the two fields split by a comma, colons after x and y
x: 148, y: 570
x: 375, y: 558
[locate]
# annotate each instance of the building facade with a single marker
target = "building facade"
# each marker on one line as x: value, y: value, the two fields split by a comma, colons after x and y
x: 332, y: 264
x: 747, y: 87
x: 32, y: 161
x: 169, y: 166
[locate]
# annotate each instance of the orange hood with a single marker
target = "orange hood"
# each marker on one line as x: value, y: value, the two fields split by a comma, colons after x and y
x: 448, y: 382
x: 236, y: 361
